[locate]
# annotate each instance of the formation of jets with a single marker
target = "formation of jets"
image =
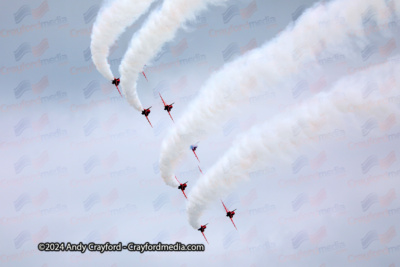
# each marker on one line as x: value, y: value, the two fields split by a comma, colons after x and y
x: 229, y: 214
x: 181, y: 186
x: 147, y: 111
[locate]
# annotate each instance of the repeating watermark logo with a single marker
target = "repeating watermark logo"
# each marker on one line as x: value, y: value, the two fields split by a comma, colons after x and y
x: 199, y: 22
x: 233, y: 11
x: 304, y: 198
x: 87, y: 54
x: 368, y: 126
x: 91, y: 13
x: 26, y: 48
x: 369, y: 163
x: 26, y: 86
x: 160, y: 201
x: 91, y: 88
x: 26, y: 10
x: 176, y: 50
x: 26, y: 236
x: 21, y: 164
x: 91, y: 163
x: 298, y: 12
x: 233, y: 49
x: 387, y: 49
x: 95, y: 198
x: 94, y: 161
x: 373, y: 198
x: 299, y: 164
x: 22, y: 238
x: 179, y: 48
x: 90, y: 126
x: 368, y: 51
x: 25, y: 199
x: 370, y: 237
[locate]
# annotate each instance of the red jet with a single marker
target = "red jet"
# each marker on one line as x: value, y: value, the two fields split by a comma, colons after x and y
x: 229, y: 213
x: 201, y: 229
x: 116, y: 81
x: 193, y: 148
x: 167, y: 107
x: 146, y: 113
x: 182, y: 187
x: 144, y: 74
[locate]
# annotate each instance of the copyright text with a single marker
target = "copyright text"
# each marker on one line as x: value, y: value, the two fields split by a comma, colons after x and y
x: 107, y: 247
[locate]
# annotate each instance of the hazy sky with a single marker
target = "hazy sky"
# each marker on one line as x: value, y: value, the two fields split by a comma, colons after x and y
x: 79, y: 164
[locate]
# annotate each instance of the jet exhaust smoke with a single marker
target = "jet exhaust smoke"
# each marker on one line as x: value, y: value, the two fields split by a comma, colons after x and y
x: 110, y: 23
x: 274, y: 140
x: 160, y: 27
x: 273, y: 63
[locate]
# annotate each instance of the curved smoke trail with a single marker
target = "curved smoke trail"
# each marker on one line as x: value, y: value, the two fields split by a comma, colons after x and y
x: 111, y: 22
x: 161, y: 27
x: 272, y: 64
x: 274, y: 139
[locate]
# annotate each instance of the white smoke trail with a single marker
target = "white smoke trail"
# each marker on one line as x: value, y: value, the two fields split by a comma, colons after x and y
x: 274, y: 139
x: 111, y: 22
x: 272, y: 64
x: 161, y: 27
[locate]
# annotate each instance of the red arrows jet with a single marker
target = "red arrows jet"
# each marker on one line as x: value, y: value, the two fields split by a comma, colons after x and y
x: 167, y: 107
x: 201, y: 229
x: 144, y: 73
x: 182, y: 187
x: 146, y: 113
x: 229, y: 213
x: 193, y: 148
x: 116, y: 81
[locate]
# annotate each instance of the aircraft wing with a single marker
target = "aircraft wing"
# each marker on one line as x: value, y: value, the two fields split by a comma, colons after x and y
x: 177, y: 180
x: 205, y: 237
x: 200, y: 169
x: 162, y: 99
x: 144, y: 75
x: 184, y: 194
x: 119, y: 91
x: 224, y: 206
x: 171, y: 116
x: 149, y: 121
x: 196, y: 156
x: 233, y: 223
